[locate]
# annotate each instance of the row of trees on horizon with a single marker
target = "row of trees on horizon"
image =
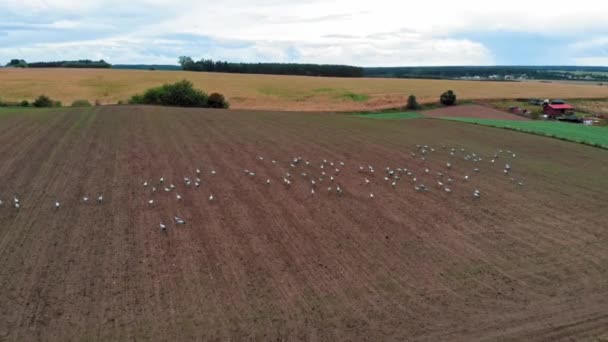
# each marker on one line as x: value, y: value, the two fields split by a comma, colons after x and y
x: 210, y: 65
x: 83, y: 63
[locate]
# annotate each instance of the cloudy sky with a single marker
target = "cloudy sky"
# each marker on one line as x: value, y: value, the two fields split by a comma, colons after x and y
x: 357, y: 32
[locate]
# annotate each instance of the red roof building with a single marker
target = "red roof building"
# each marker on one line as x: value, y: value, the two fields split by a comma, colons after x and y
x: 557, y: 109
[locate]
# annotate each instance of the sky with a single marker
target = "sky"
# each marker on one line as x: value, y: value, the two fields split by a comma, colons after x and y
x: 354, y: 32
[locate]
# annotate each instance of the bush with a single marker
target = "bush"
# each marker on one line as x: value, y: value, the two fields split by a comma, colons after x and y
x: 25, y: 103
x: 57, y: 104
x: 217, y: 100
x: 448, y: 98
x: 81, y: 103
x: 43, y: 101
x: 136, y: 99
x: 180, y: 94
x: 412, y: 103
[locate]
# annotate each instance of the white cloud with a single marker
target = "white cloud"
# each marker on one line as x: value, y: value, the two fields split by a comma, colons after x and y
x: 362, y: 32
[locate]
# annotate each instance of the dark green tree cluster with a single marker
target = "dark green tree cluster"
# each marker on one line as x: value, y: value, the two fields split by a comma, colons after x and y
x: 17, y: 63
x: 448, y: 98
x: 83, y: 63
x: 412, y: 103
x: 209, y: 65
x: 180, y: 94
x: 44, y: 101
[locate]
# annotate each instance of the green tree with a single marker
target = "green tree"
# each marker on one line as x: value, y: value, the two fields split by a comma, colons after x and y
x: 17, y: 63
x: 181, y: 94
x: 412, y: 104
x: 217, y: 100
x: 184, y: 61
x: 448, y: 98
x: 43, y: 101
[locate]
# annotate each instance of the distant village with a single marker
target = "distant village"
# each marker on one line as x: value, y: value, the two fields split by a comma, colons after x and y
x: 523, y: 77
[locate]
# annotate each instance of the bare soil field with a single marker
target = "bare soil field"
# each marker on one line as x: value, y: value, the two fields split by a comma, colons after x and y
x: 276, y: 262
x: 471, y: 111
x: 268, y: 92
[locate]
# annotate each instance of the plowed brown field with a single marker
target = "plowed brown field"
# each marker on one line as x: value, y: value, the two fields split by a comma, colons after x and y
x: 274, y: 262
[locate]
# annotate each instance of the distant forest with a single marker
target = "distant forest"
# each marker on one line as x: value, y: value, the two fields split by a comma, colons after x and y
x: 84, y: 63
x: 450, y: 72
x: 495, y: 73
x: 209, y: 65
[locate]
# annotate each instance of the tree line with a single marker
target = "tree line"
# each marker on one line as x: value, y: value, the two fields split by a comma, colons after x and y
x: 83, y: 63
x: 446, y: 72
x: 209, y: 65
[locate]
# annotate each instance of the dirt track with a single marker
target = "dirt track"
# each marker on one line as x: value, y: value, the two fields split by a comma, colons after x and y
x: 471, y: 111
x: 268, y: 262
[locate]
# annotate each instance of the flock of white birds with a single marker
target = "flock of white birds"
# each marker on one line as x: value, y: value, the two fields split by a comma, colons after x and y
x: 325, y: 175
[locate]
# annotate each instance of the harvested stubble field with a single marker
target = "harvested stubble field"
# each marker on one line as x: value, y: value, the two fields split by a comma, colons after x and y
x: 273, y: 262
x: 271, y: 92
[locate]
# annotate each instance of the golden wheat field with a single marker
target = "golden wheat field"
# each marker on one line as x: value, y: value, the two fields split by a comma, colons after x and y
x: 268, y: 91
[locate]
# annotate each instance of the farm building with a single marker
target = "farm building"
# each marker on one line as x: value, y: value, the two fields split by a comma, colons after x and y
x: 554, y: 109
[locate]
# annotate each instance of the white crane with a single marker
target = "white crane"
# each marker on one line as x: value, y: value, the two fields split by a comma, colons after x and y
x: 145, y: 183
x: 151, y: 202
x: 178, y: 196
x: 57, y: 205
x: 211, y: 198
x: 85, y: 199
x: 100, y: 199
x: 477, y: 194
x: 162, y: 180
x: 163, y: 227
